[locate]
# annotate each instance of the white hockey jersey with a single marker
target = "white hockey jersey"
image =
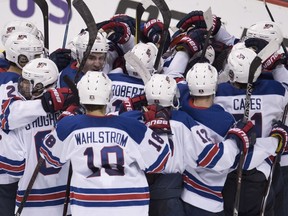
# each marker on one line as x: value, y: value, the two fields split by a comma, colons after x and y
x: 203, y: 160
x: 123, y: 86
x: 268, y: 100
x: 8, y: 88
x: 108, y: 156
x: 19, y: 156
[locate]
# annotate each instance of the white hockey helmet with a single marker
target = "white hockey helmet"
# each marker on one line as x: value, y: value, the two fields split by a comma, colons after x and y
x: 161, y: 89
x: 147, y: 53
x: 95, y: 88
x: 238, y: 65
x: 19, y: 26
x: 100, y: 45
x: 22, y: 47
x: 202, y: 79
x: 266, y: 30
x: 40, y: 74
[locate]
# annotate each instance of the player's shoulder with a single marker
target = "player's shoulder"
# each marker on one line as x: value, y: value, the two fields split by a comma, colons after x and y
x: 8, y: 76
x: 265, y: 87
x: 183, y: 117
x: 121, y: 77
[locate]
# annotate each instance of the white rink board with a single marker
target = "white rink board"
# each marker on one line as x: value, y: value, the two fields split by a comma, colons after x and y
x: 236, y: 14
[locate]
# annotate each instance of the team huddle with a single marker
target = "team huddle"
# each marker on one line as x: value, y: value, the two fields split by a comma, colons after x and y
x: 110, y: 132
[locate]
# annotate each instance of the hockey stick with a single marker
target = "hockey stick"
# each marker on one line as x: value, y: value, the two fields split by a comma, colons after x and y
x: 138, y: 66
x: 30, y: 185
x: 265, y: 53
x: 272, y: 19
x: 208, y: 17
x: 42, y: 4
x: 141, y: 7
x: 276, y: 160
x: 88, y: 18
x: 166, y: 15
x: 67, y: 23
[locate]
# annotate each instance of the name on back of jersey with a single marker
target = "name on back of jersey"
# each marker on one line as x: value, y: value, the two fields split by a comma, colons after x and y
x: 43, y: 121
x: 94, y: 137
x: 255, y: 103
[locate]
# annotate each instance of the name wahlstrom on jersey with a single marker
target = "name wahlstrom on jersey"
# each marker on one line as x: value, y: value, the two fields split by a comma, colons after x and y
x: 43, y: 121
x: 92, y: 137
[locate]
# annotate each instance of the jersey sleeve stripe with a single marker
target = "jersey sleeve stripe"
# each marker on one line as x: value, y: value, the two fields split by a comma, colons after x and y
x: 210, y: 155
x: 54, y: 161
x: 194, y: 185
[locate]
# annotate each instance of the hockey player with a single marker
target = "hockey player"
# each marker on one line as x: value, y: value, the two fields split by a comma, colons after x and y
x: 108, y: 154
x: 129, y: 85
x: 95, y: 61
x: 20, y: 156
x: 266, y: 93
x: 192, y: 140
x: 197, y: 99
x: 20, y: 48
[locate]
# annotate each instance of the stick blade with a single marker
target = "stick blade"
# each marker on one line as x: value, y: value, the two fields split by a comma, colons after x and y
x: 208, y: 17
x: 268, y: 50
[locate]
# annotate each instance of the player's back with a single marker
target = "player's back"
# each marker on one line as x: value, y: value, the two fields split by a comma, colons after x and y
x: 267, y: 103
x: 123, y: 86
x: 48, y: 192
x: 108, y: 156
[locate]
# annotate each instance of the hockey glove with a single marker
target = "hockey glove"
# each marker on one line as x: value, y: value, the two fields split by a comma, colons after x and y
x: 216, y: 24
x: 57, y: 99
x: 194, y: 19
x: 118, y: 32
x: 157, y: 118
x: 61, y: 57
x: 243, y: 134
x: 280, y: 131
x: 71, y: 111
x: 135, y: 103
x: 272, y: 62
x: 153, y: 30
x: 183, y: 42
x: 130, y: 21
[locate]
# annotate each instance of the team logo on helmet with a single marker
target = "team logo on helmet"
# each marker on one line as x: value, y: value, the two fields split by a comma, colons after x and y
x: 21, y: 37
x: 29, y: 25
x: 168, y: 79
x: 10, y: 29
x: 201, y: 91
x: 267, y: 26
x: 240, y: 56
x: 41, y: 64
x: 156, y: 101
x: 148, y: 53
